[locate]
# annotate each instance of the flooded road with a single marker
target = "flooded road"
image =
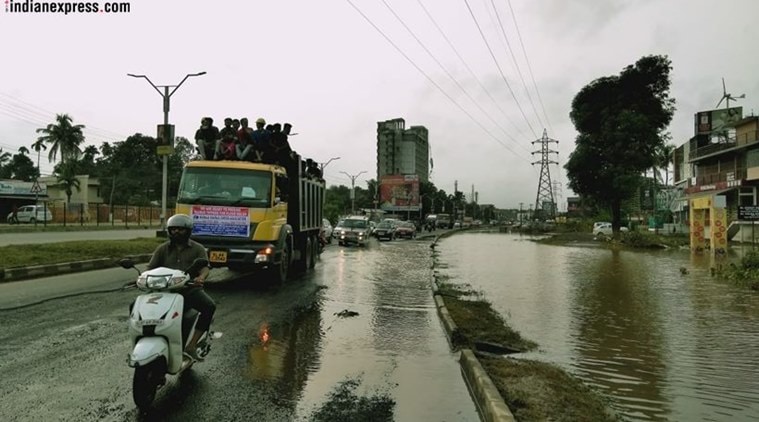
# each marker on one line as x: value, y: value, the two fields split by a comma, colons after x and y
x: 288, y: 353
x: 661, y: 344
x: 395, y: 344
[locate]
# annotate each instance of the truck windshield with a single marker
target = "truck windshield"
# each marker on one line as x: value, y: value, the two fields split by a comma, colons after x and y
x: 213, y: 186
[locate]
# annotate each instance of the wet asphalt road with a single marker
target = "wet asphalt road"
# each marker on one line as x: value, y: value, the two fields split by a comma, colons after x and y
x: 65, y: 359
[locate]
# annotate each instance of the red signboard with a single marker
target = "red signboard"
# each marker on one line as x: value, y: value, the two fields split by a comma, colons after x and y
x: 399, y: 192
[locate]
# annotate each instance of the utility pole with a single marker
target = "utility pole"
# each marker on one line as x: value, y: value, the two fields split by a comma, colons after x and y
x: 166, y: 94
x: 545, y: 188
x: 353, y: 189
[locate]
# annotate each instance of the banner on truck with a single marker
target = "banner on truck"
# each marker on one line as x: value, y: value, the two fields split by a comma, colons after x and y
x: 399, y: 192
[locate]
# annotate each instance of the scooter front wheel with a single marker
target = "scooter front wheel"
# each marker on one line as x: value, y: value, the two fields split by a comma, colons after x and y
x: 145, y: 384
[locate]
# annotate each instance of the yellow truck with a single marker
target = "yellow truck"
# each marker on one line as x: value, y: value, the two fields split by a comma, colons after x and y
x: 254, y: 216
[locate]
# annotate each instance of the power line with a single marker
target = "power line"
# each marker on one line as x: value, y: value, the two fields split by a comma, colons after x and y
x: 487, y: 44
x: 49, y: 115
x: 529, y: 67
x: 516, y: 64
x: 421, y: 44
x: 471, y: 72
x: 429, y: 78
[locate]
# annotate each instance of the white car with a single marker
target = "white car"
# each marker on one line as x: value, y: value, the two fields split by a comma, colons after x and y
x: 327, y: 229
x: 604, y: 229
x: 30, y: 214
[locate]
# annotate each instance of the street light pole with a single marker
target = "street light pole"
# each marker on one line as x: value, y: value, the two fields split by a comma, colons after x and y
x: 353, y: 189
x: 166, y: 95
x: 322, y: 165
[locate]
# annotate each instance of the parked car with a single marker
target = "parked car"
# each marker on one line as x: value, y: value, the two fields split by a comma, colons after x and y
x: 406, y: 229
x: 604, y: 229
x: 354, y: 229
x: 327, y: 230
x: 385, y: 230
x: 598, y: 224
x: 30, y: 214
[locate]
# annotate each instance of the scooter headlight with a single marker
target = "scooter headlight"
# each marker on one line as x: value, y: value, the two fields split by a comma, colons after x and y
x: 158, y: 282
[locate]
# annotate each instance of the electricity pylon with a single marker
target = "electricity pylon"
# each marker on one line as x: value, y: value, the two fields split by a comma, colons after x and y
x: 545, y: 188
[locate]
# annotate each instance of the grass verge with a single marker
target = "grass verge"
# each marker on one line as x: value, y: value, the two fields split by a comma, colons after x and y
x: 79, y: 250
x: 533, y: 390
x: 537, y: 391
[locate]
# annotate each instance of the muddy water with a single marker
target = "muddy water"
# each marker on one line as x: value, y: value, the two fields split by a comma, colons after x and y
x: 380, y: 327
x: 662, y: 345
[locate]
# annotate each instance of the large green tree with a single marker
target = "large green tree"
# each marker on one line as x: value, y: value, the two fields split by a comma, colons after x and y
x: 621, y: 122
x: 64, y: 137
x: 19, y: 167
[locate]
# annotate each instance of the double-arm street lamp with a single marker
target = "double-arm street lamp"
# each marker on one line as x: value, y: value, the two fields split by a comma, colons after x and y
x: 322, y: 165
x: 166, y: 94
x: 353, y: 189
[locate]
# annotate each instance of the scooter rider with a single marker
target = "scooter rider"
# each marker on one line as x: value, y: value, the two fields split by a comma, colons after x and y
x: 179, y: 253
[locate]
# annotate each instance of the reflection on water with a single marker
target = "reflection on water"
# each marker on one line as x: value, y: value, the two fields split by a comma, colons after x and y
x: 662, y: 344
x: 283, y: 355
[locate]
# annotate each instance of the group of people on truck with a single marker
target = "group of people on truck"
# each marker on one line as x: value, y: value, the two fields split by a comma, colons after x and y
x: 237, y: 141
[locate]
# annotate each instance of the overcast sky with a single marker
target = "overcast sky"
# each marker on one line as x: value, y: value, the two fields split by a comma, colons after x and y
x: 325, y: 68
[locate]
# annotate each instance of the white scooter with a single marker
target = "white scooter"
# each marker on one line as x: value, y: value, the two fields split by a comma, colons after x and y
x: 159, y: 330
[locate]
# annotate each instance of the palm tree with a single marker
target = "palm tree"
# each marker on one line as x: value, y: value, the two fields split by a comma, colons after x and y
x: 38, y: 146
x: 68, y: 180
x: 23, y: 150
x: 63, y: 136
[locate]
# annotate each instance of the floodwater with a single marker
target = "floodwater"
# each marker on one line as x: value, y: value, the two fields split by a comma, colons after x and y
x: 381, y: 329
x: 662, y: 345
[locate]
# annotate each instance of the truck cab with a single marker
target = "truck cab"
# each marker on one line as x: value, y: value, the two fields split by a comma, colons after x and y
x: 253, y: 216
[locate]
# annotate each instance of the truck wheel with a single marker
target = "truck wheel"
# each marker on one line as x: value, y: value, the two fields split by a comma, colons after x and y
x: 281, y: 271
x: 314, y: 252
x: 306, y: 255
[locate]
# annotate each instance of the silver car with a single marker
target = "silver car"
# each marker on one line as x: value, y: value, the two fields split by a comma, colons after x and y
x: 353, y: 230
x: 30, y: 214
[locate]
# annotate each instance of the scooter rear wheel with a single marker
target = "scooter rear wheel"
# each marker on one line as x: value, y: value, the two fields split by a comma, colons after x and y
x: 145, y: 384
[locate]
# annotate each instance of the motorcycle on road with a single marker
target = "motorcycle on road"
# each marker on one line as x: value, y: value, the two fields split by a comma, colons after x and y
x: 159, y: 329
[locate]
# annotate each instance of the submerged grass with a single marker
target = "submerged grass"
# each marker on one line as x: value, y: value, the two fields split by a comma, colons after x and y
x: 537, y: 391
x: 533, y: 390
x: 477, y: 321
x: 79, y: 250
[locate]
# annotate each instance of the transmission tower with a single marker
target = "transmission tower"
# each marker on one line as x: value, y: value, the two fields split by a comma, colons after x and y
x: 545, y: 188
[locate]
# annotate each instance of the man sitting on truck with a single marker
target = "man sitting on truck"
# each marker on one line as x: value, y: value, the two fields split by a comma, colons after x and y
x: 206, y: 138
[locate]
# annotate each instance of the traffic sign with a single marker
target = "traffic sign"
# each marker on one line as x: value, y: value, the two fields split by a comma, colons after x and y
x: 36, y: 187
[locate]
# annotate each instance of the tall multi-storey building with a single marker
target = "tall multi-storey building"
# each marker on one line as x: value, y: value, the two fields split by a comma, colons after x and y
x: 402, y: 151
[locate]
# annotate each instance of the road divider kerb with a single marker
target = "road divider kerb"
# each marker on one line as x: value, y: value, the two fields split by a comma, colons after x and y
x: 488, y: 400
x: 23, y: 273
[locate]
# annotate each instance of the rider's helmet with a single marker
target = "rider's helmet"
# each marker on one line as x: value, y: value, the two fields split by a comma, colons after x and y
x: 179, y: 227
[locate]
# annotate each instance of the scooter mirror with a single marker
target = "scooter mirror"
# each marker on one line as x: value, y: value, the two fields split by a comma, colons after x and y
x: 126, y: 263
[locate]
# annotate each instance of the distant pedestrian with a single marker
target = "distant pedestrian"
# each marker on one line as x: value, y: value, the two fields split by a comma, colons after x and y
x: 14, y: 215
